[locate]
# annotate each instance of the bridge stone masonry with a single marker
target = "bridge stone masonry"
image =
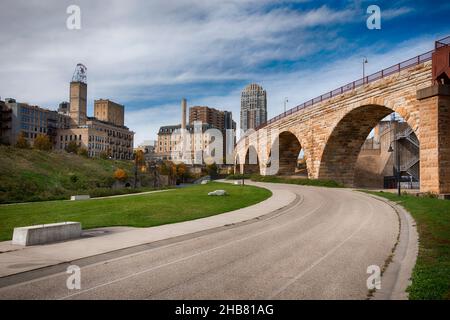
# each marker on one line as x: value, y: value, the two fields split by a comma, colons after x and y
x: 331, y: 129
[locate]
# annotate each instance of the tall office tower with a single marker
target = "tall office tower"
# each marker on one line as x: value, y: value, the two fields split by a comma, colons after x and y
x: 253, y: 107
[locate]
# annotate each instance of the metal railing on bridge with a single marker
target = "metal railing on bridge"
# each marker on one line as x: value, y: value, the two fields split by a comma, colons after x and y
x: 363, y: 81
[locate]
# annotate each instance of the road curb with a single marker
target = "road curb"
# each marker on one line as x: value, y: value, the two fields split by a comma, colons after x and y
x: 396, y: 277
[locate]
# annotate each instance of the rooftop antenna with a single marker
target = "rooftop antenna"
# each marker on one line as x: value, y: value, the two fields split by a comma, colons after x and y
x: 79, y: 75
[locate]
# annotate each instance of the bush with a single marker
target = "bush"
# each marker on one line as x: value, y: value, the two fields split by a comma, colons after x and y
x: 72, y: 147
x: 22, y: 142
x: 120, y: 175
x: 74, y: 178
x: 42, y: 142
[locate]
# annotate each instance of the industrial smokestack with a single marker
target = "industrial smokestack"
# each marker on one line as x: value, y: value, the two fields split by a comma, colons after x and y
x: 183, y: 113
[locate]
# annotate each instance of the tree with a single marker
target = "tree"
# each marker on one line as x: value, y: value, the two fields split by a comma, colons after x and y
x: 42, y: 142
x: 139, y: 163
x: 72, y: 147
x: 168, y: 168
x: 182, y: 172
x: 213, y: 170
x: 120, y: 175
x: 139, y: 158
x: 22, y: 142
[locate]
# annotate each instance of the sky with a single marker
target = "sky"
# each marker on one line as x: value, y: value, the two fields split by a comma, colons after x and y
x: 149, y: 54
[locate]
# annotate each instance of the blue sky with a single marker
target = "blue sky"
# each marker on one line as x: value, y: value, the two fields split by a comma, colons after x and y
x: 147, y: 55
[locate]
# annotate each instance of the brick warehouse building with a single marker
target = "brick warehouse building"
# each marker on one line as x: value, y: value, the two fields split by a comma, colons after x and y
x: 30, y: 120
x: 106, y: 134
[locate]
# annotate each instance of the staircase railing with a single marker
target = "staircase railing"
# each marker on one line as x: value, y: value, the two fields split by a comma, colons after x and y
x: 408, y: 134
x: 413, y: 161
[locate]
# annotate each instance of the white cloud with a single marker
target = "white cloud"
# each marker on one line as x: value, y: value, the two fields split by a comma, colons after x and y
x: 396, y: 12
x: 135, y: 49
x: 138, y: 43
x: 299, y: 86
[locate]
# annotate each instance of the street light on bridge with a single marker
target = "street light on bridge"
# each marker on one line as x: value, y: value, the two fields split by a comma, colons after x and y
x: 365, y: 61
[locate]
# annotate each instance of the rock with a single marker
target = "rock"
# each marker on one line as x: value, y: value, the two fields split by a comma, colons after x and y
x: 217, y: 193
x: 204, y: 182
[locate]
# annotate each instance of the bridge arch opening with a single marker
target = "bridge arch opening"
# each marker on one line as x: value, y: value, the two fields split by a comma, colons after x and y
x: 237, y: 164
x: 292, y: 160
x: 363, y: 147
x: 251, y: 164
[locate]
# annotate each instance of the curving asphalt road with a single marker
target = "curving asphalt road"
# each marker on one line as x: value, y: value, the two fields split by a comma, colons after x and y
x: 318, y: 248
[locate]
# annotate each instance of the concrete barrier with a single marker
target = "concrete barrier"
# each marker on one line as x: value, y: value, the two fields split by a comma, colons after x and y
x: 46, y: 233
x: 80, y: 197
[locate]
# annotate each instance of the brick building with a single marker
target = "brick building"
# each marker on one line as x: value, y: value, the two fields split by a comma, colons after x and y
x: 109, y: 111
x: 209, y: 117
x: 31, y: 121
x: 106, y: 134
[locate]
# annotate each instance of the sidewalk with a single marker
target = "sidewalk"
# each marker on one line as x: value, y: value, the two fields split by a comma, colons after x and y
x: 17, y: 259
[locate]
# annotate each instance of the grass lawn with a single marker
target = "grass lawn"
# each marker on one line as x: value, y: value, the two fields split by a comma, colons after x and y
x: 431, y: 275
x: 137, y: 211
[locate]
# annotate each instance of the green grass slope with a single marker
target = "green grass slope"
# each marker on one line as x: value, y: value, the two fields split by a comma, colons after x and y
x: 33, y: 175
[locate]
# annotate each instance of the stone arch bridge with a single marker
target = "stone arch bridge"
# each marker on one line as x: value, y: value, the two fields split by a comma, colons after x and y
x: 332, y: 128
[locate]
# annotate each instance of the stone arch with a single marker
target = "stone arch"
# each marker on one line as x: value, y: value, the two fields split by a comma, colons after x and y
x: 251, y: 164
x: 346, y: 139
x: 237, y: 164
x: 289, y: 148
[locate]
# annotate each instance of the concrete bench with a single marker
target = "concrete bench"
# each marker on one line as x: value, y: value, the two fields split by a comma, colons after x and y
x: 80, y: 197
x: 46, y: 233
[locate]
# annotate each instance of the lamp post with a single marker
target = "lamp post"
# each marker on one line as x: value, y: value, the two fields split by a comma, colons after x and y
x: 398, y: 175
x: 285, y: 101
x: 364, y: 68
